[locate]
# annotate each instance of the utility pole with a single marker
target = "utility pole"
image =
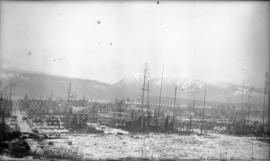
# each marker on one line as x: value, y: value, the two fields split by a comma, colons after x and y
x: 160, y: 94
x: 174, y: 104
x: 203, y: 108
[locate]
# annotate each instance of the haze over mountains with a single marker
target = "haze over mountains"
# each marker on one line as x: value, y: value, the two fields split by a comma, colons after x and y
x: 45, y: 85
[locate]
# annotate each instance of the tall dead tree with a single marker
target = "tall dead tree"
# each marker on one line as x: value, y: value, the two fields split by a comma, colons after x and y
x: 2, y: 108
x: 120, y: 111
x: 10, y: 98
x: 190, y: 115
x: 264, y: 101
x: 204, y: 99
x: 266, y: 91
x: 249, y: 104
x: 68, y: 94
x: 68, y: 121
x: 160, y: 94
x: 147, y: 103
x: 120, y: 103
x: 149, y: 113
x: 10, y: 90
x: 174, y: 104
x: 144, y: 88
x: 242, y: 101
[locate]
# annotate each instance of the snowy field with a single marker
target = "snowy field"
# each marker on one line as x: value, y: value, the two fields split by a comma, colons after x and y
x: 173, y: 146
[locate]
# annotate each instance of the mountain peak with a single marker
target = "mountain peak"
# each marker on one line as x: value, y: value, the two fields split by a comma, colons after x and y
x: 133, y: 79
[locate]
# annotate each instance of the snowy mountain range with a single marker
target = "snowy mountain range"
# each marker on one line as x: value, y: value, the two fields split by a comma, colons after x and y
x: 45, y: 85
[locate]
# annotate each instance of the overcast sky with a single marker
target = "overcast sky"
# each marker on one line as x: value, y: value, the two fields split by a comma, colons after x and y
x: 106, y: 41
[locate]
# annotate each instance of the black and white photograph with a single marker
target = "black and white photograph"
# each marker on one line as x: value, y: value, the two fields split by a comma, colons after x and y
x: 134, y: 80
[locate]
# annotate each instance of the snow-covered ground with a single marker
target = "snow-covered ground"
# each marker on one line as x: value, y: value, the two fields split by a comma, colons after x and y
x: 48, y: 131
x: 213, y: 146
x: 113, y: 145
x: 107, y: 130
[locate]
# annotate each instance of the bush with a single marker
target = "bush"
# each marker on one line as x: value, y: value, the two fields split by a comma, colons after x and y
x: 60, y: 152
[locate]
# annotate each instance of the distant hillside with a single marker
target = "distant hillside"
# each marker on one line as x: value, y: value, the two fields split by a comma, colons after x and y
x: 36, y: 85
x: 44, y: 85
x: 191, y: 89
